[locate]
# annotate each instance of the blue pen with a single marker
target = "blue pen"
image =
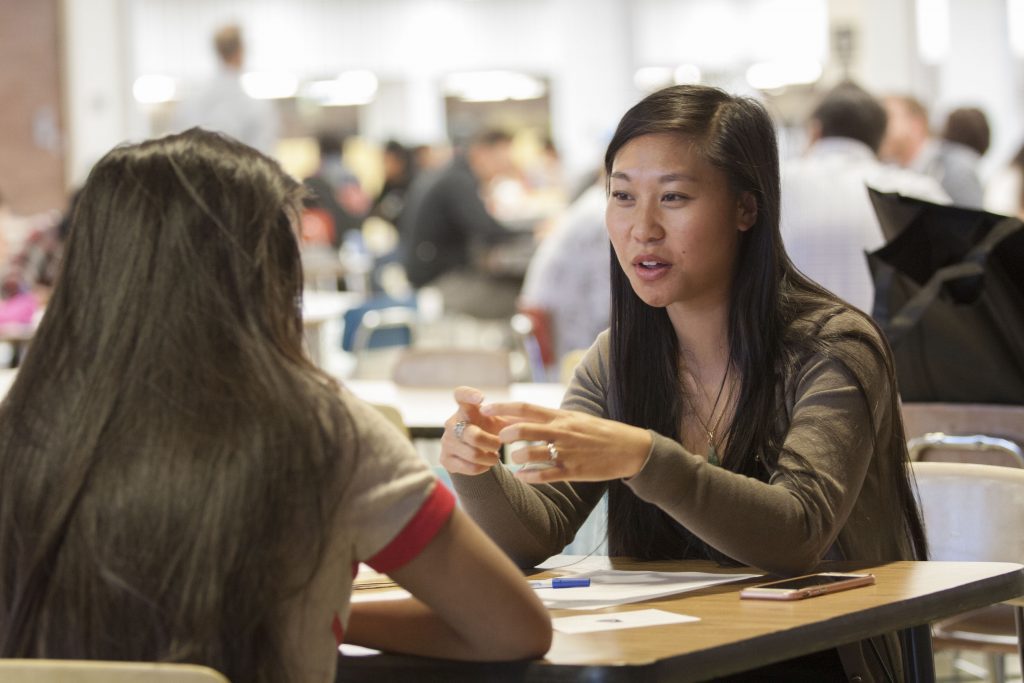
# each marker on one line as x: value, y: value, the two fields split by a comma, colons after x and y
x: 561, y: 583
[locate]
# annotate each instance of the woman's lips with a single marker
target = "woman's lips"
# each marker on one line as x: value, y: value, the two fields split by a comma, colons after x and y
x: 649, y: 269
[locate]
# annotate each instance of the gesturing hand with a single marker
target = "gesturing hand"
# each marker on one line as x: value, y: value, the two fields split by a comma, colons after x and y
x: 471, y: 448
x: 580, y: 446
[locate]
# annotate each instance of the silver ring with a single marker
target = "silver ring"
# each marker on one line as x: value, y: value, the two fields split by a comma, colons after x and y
x: 552, y: 451
x: 460, y: 427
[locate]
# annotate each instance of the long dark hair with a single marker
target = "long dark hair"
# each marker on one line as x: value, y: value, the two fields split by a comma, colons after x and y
x: 169, y: 458
x: 768, y: 295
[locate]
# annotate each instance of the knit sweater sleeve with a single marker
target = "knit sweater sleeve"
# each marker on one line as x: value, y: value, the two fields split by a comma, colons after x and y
x: 533, y: 522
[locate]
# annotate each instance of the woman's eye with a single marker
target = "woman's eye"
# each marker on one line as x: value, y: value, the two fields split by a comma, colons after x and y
x: 674, y: 197
x: 621, y: 196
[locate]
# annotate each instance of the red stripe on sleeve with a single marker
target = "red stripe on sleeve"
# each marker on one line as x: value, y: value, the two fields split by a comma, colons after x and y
x: 418, y: 533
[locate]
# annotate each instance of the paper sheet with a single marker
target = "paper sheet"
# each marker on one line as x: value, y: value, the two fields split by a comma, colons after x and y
x: 374, y: 596
x: 609, y: 587
x: 350, y: 650
x: 588, y: 623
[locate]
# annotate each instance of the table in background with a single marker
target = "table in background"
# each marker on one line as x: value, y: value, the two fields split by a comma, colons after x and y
x: 424, y: 411
x: 732, y: 635
x: 320, y: 307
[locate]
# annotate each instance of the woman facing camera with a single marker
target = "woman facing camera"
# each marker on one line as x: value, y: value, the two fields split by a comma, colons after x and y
x: 734, y: 411
x: 179, y: 483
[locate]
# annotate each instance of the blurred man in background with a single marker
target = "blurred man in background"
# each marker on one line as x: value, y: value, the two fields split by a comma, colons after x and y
x: 223, y: 105
x: 569, y: 278
x: 828, y: 222
x: 446, y: 230
x: 908, y: 143
x: 399, y: 170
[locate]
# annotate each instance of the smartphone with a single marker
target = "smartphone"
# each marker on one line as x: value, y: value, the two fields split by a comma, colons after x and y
x: 807, y: 586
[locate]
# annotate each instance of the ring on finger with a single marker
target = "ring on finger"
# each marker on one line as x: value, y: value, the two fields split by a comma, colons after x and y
x: 552, y: 451
x: 460, y: 428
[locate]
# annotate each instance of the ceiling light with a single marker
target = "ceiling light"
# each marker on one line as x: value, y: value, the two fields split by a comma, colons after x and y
x: 349, y: 88
x: 269, y: 85
x: 493, y: 86
x: 687, y: 74
x: 774, y: 75
x: 651, y: 78
x: 153, y: 89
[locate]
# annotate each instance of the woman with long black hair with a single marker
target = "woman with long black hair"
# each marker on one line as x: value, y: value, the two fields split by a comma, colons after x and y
x: 179, y: 483
x: 734, y: 411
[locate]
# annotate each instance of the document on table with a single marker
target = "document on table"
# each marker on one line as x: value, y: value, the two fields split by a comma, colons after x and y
x: 589, y: 623
x: 609, y: 587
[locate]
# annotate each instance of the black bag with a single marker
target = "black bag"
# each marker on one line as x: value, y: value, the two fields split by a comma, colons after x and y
x: 949, y: 295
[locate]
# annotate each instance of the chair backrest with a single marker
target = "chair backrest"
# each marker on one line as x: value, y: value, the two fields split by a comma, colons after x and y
x: 390, y: 326
x: 446, y: 368
x: 540, y: 329
x: 972, y: 513
x: 77, y: 671
x: 965, y: 432
x: 529, y: 345
x: 393, y: 415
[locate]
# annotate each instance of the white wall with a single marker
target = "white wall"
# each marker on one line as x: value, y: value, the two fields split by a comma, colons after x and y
x: 96, y: 81
x: 980, y: 70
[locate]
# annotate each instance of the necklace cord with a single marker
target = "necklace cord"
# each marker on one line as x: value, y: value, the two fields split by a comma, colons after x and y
x: 710, y: 431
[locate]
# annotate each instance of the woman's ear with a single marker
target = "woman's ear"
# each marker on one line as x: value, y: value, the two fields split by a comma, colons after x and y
x: 746, y: 214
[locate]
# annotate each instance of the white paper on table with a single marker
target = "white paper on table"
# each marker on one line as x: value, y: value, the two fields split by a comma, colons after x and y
x: 588, y: 623
x: 576, y: 563
x: 350, y: 650
x: 609, y: 587
x: 375, y: 596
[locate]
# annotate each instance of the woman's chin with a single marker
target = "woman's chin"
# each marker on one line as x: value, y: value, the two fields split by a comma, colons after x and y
x: 653, y: 300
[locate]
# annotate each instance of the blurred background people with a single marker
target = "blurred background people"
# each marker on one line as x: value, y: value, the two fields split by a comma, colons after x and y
x: 399, y: 170
x: 568, y: 279
x: 446, y: 230
x: 546, y: 173
x: 909, y: 143
x: 828, y: 222
x: 222, y: 104
x: 1005, y: 191
x: 968, y: 126
x: 336, y: 190
x: 21, y: 237
x: 34, y: 268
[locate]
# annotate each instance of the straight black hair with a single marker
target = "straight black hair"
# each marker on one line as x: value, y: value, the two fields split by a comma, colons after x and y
x: 169, y: 457
x: 768, y: 295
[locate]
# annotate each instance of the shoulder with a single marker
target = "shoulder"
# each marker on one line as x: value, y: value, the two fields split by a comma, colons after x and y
x: 589, y: 384
x: 955, y: 154
x: 908, y: 183
x: 456, y: 174
x: 834, y: 325
x: 836, y: 318
x: 376, y: 437
x: 597, y: 357
x: 843, y: 341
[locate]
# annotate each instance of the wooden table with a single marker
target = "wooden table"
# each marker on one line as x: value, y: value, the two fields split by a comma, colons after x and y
x: 732, y: 635
x: 424, y: 411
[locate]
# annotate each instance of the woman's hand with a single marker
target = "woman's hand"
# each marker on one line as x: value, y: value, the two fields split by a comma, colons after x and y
x: 580, y: 447
x: 473, y: 447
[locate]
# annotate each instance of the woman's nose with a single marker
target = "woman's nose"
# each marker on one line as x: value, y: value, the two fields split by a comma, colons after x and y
x: 647, y: 227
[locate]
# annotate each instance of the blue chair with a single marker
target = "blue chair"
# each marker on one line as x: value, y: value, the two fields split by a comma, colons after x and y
x: 391, y: 324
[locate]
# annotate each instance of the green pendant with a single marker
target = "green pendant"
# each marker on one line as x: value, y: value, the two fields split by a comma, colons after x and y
x: 713, y: 455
